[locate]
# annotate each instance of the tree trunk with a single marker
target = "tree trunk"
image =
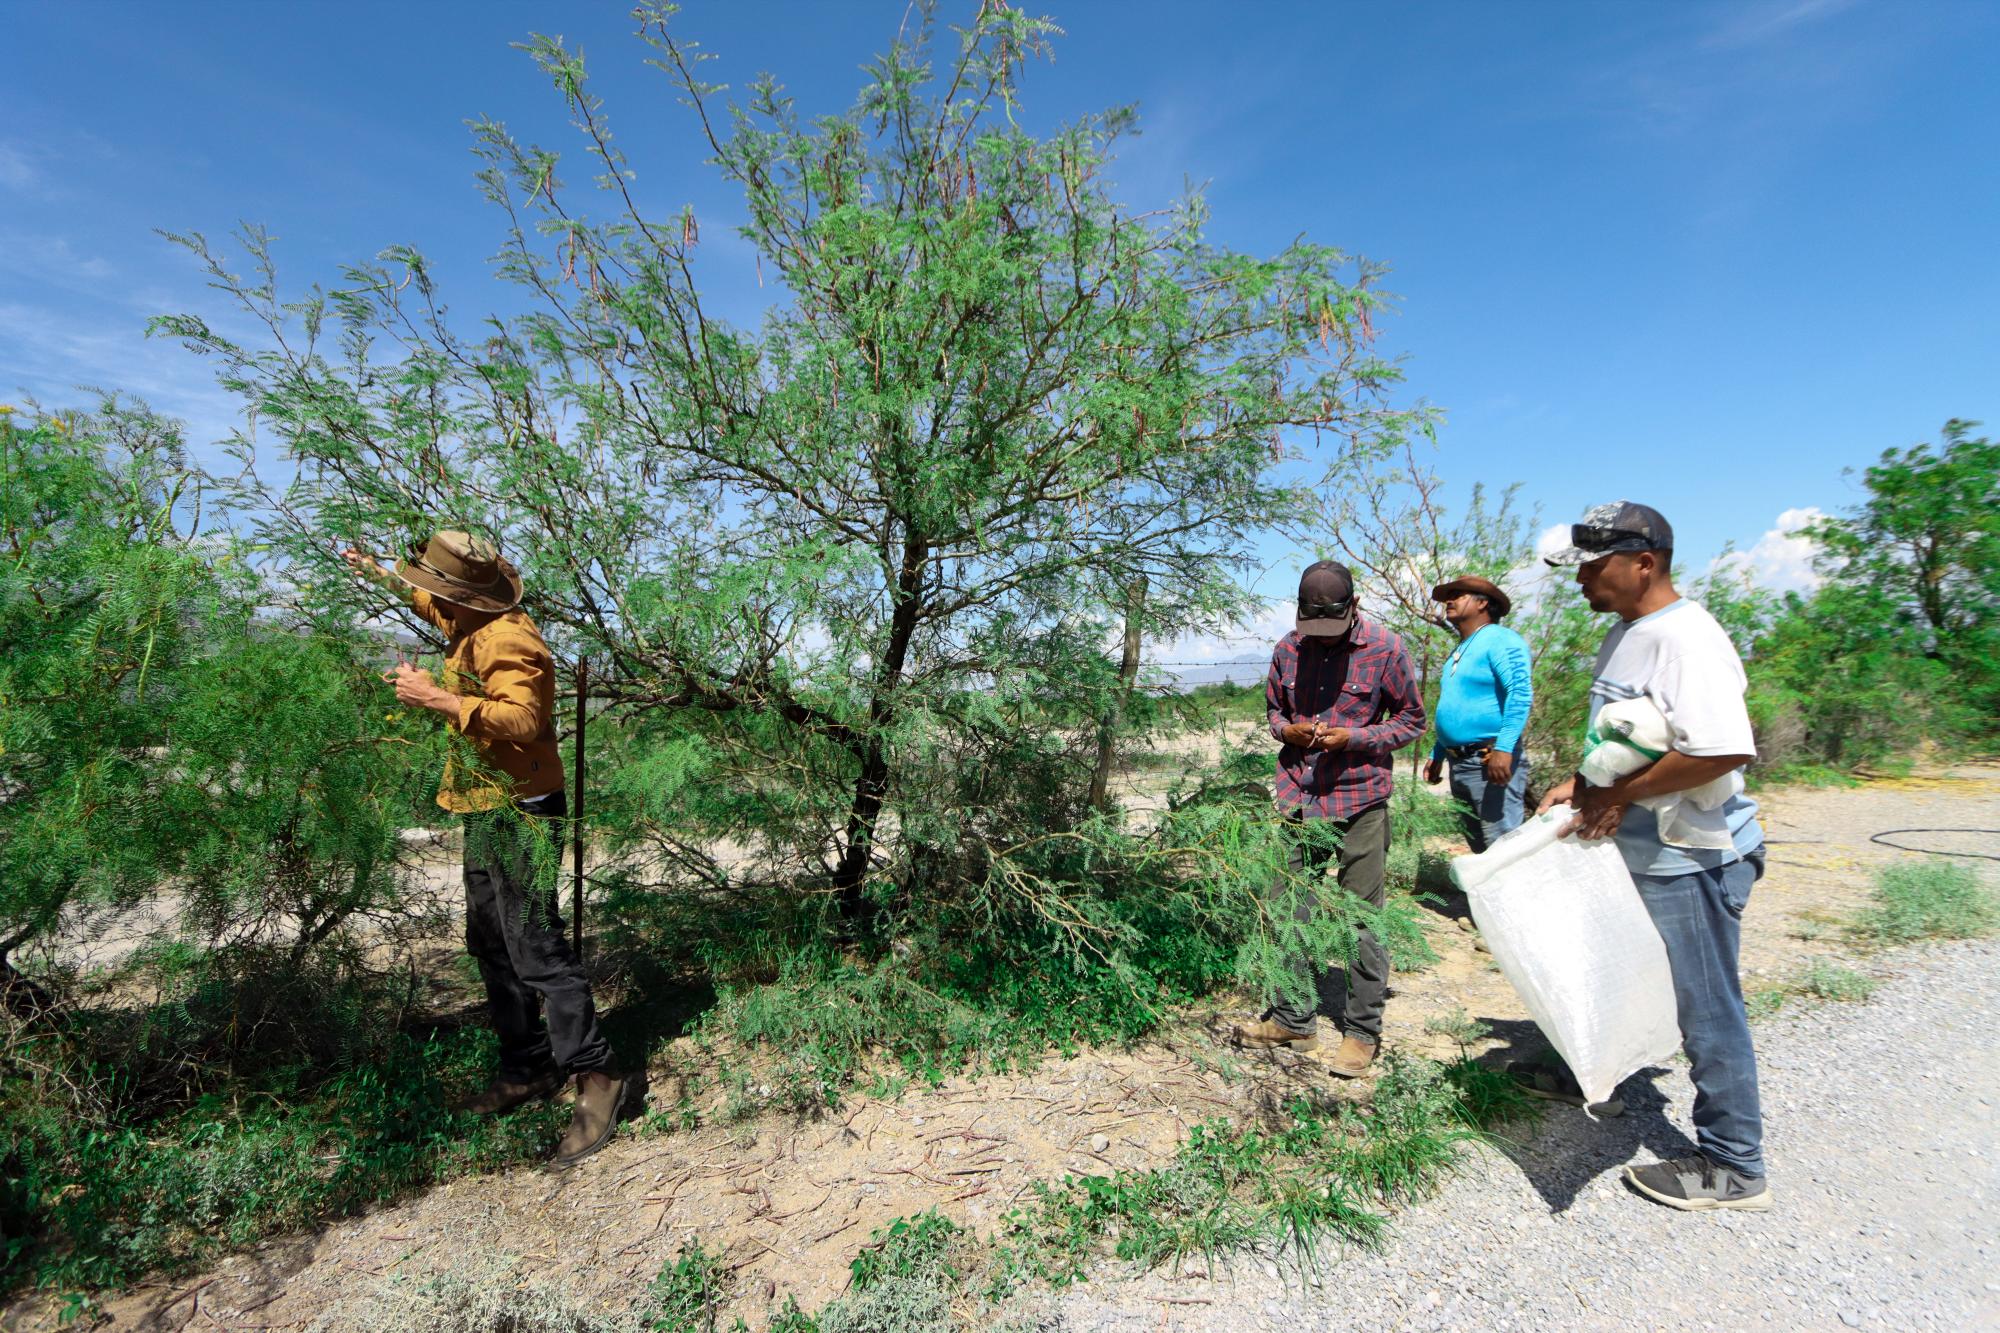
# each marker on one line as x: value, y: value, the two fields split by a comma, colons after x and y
x: 1930, y: 581
x: 1417, y: 751
x: 1128, y: 674
x: 872, y: 783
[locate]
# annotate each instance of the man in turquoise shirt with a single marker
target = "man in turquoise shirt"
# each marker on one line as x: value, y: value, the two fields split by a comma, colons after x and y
x: 1482, y: 711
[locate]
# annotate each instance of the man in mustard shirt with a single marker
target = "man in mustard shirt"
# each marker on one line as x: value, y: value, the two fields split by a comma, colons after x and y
x: 499, y: 693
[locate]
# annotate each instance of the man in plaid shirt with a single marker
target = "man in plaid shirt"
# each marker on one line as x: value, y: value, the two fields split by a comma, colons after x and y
x: 1342, y: 696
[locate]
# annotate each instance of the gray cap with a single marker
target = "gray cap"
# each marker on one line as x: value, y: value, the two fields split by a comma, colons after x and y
x: 1618, y: 526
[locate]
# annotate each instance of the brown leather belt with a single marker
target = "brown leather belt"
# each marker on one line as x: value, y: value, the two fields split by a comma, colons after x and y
x: 1479, y: 751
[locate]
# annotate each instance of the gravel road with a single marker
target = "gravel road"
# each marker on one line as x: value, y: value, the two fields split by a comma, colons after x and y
x: 1882, y: 1144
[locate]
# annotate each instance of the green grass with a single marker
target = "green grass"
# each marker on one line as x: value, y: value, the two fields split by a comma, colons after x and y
x: 1917, y: 899
x: 1802, y: 774
x: 1765, y: 1001
x: 689, y: 1293
x: 93, y: 1203
x: 1458, y: 1026
x: 1227, y: 702
x: 1325, y: 1172
x: 1927, y: 899
x: 1820, y: 979
x: 1825, y: 980
x: 904, y: 1281
x: 1322, y: 1175
x: 1815, y: 925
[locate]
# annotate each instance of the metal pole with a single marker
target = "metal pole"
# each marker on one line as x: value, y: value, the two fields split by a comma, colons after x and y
x: 576, y: 814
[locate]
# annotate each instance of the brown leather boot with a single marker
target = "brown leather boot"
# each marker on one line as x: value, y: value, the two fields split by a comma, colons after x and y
x: 1353, y: 1057
x: 1266, y: 1034
x: 503, y: 1094
x: 595, y: 1119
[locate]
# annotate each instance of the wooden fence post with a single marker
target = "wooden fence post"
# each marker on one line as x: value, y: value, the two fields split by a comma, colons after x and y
x: 576, y: 814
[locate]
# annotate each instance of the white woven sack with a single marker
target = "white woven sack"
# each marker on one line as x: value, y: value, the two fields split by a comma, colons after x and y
x: 1566, y: 926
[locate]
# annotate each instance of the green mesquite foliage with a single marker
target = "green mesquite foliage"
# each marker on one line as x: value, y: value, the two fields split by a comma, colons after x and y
x: 855, y: 567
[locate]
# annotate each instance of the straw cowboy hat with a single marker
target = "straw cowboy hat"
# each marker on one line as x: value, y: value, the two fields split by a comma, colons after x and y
x: 464, y: 570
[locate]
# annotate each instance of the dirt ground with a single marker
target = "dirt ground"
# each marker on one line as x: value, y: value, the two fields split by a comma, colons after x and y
x: 789, y: 1201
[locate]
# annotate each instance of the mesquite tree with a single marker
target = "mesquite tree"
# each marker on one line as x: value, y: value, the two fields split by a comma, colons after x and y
x: 864, y: 559
x: 161, y: 741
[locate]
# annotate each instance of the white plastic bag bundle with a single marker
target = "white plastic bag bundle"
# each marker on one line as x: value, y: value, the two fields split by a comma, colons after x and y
x: 1631, y: 734
x: 1567, y: 928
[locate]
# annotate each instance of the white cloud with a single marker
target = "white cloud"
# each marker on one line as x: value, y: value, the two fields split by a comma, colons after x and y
x: 16, y: 171
x: 1752, y: 24
x: 1769, y: 71
x: 53, y: 355
x: 51, y: 259
x: 1782, y: 558
x: 1249, y: 639
x: 1553, y: 539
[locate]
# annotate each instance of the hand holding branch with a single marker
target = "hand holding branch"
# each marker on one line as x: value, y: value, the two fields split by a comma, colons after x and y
x: 1316, y: 736
x: 415, y: 687
x: 1301, y: 734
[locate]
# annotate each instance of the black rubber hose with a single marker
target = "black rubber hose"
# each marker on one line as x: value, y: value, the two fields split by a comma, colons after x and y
x: 1884, y: 836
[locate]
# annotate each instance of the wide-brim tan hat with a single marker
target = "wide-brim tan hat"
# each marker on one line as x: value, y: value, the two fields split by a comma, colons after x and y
x: 464, y: 570
x: 1497, y: 601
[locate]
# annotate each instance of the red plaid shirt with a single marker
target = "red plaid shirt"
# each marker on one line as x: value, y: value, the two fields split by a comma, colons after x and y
x: 1367, y: 685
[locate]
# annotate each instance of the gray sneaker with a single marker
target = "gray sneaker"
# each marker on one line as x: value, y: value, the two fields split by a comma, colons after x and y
x: 1696, y: 1183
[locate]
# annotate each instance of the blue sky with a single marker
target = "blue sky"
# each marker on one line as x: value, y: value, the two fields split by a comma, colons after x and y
x: 1701, y: 255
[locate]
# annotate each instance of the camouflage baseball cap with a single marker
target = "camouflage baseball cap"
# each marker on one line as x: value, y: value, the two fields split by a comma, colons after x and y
x: 1618, y: 526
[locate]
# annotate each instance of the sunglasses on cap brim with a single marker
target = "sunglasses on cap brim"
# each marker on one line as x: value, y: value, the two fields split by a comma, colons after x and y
x: 1588, y: 538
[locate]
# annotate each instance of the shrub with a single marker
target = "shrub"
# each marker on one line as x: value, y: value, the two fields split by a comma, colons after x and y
x: 1075, y: 936
x: 1924, y: 899
x: 97, y: 1201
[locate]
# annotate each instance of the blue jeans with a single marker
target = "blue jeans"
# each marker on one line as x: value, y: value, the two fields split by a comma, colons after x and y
x: 1495, y: 809
x: 1699, y: 916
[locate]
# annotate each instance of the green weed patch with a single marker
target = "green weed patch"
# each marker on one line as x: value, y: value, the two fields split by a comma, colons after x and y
x: 1323, y: 1175
x: 1928, y: 899
x: 1820, y: 979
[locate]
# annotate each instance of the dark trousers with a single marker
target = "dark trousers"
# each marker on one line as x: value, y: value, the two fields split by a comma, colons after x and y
x: 515, y: 932
x: 1364, y: 854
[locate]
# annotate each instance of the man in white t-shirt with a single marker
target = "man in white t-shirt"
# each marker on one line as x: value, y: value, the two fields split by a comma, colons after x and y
x: 1673, y: 653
